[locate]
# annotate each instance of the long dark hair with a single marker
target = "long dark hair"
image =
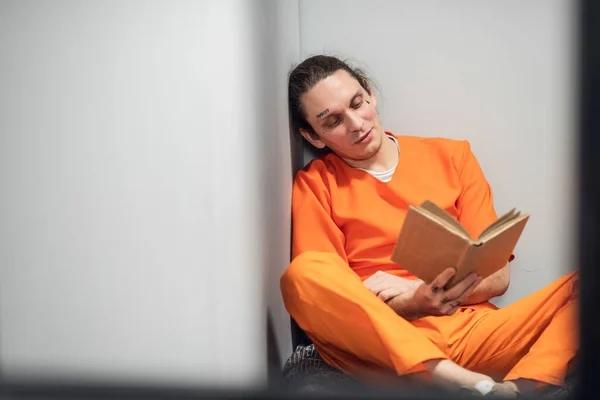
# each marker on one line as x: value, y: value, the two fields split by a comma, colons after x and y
x: 306, y: 75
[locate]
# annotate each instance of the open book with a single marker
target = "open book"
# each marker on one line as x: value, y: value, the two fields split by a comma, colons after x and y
x: 431, y: 240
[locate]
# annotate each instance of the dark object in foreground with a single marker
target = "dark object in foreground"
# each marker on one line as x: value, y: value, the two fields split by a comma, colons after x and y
x: 306, y: 372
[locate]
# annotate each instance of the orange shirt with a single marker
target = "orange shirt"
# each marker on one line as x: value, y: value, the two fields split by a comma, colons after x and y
x: 340, y: 209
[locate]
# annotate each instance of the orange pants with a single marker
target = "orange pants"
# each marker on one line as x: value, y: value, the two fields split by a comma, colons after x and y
x: 356, y: 332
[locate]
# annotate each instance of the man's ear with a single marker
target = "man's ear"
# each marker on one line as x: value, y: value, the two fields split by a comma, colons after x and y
x: 312, y: 138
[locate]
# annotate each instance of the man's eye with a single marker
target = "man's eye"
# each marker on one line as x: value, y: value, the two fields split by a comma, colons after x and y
x: 333, y: 123
x: 357, y: 104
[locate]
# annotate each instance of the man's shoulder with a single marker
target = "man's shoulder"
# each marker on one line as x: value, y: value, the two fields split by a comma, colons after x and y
x: 441, y: 148
x: 328, y: 169
x: 429, y: 143
x: 320, y: 169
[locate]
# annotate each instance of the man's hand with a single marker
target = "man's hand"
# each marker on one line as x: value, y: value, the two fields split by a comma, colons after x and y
x: 387, y: 286
x: 432, y: 300
x: 492, y: 286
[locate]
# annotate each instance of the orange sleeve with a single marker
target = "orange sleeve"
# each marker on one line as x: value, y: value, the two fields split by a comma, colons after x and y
x: 313, y: 228
x: 475, y: 203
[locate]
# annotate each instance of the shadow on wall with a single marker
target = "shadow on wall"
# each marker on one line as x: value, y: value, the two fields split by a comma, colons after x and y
x: 311, y: 152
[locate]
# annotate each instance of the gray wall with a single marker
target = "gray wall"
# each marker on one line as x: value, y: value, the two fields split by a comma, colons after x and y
x: 277, y: 153
x: 498, y: 73
x: 136, y: 236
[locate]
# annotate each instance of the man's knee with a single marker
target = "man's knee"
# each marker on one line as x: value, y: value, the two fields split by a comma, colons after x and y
x: 573, y: 275
x: 312, y: 267
x: 304, y: 266
x: 571, y: 279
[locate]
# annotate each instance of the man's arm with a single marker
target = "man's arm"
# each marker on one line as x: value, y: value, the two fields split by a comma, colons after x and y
x: 492, y: 286
x: 313, y: 228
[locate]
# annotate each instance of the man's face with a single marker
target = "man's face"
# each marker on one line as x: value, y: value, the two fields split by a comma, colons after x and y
x: 344, y: 117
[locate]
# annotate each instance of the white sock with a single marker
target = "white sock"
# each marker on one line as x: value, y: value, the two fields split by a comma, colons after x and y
x: 484, y: 387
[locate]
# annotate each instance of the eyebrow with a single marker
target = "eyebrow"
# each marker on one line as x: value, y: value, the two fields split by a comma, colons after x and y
x: 322, y: 113
x: 326, y: 111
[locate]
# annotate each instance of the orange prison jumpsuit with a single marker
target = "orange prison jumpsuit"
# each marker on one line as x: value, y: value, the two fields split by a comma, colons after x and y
x: 345, y: 224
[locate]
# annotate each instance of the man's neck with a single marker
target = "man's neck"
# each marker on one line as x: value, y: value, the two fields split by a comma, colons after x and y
x: 383, y: 160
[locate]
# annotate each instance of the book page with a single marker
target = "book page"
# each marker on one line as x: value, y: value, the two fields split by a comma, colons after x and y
x: 447, y: 218
x: 425, y: 248
x: 515, y: 219
x: 451, y: 228
x: 509, y: 215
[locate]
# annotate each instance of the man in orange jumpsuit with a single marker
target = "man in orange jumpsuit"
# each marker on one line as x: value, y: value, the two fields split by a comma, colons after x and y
x: 365, y: 314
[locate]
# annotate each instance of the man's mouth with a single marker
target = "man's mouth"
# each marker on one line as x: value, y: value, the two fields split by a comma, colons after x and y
x: 363, y: 137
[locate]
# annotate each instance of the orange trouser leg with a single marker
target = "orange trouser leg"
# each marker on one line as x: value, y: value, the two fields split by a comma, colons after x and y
x: 533, y: 338
x: 352, y: 329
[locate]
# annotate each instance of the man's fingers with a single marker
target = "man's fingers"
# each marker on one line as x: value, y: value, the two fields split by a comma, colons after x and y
x: 449, y: 307
x: 442, y: 279
x: 375, y: 285
x: 465, y: 295
x: 458, y: 289
x: 384, y: 295
x: 379, y: 281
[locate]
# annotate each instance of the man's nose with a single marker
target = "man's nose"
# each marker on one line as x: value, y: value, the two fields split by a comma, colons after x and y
x: 355, y: 122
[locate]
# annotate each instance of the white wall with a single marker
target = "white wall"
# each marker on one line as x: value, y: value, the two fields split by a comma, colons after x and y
x: 498, y: 73
x: 133, y: 239
x: 277, y: 47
